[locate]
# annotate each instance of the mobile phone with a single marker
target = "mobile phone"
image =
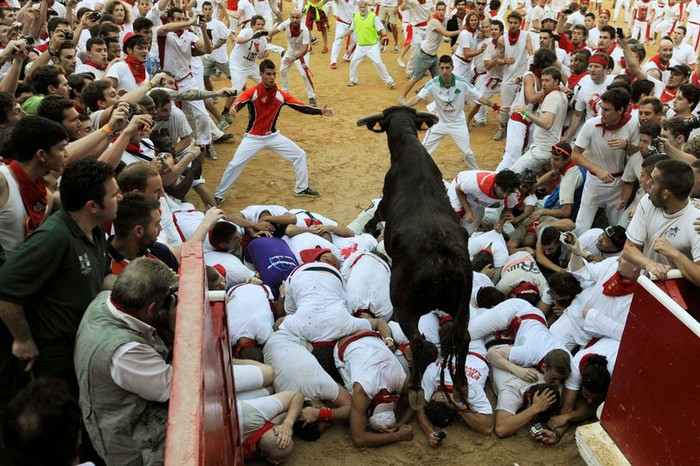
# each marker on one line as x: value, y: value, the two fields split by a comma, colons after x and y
x: 536, y: 429
x: 568, y: 11
x: 620, y: 32
x: 95, y: 16
x: 201, y: 18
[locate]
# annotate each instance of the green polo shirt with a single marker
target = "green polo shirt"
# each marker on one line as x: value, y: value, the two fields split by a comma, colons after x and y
x: 55, y: 275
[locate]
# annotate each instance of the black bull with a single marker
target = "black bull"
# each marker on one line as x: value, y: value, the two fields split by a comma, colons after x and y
x: 430, y: 262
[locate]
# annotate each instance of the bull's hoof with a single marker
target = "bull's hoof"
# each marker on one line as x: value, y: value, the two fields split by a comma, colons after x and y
x: 416, y: 398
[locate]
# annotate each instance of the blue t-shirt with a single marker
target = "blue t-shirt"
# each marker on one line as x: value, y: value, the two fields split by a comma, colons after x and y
x: 273, y: 260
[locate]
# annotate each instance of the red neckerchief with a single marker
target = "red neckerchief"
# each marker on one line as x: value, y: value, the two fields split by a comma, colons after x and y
x: 495, y: 41
x: 473, y: 31
x: 694, y: 77
x: 137, y: 68
x: 668, y: 95
x: 422, y: 2
x: 33, y: 194
x: 493, y: 13
x: 481, y: 16
x: 294, y: 31
x: 381, y: 398
x: 444, y: 319
x: 657, y: 60
x: 574, y: 78
x: 435, y: 16
x: 513, y: 37
x: 250, y: 445
x: 553, y: 184
x: 584, y: 362
x: 133, y: 149
x: 609, y: 51
x: 623, y: 121
x: 95, y: 65
x: 80, y: 109
x: 460, y: 16
x: 553, y: 90
x: 616, y: 287
x: 487, y: 183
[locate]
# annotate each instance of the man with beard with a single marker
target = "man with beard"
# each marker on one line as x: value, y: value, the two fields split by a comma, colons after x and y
x: 661, y: 234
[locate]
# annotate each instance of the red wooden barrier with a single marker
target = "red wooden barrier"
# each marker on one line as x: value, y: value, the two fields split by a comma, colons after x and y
x: 202, y: 419
x: 652, y: 410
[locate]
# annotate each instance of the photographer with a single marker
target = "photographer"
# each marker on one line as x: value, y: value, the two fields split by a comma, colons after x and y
x: 122, y: 364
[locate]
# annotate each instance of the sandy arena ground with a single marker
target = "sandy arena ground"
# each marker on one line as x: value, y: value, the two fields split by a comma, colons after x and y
x: 347, y: 166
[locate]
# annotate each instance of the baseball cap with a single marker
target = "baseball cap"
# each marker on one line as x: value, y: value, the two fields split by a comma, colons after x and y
x: 312, y: 255
x: 617, y: 235
x: 527, y: 176
x: 681, y: 69
x: 548, y: 16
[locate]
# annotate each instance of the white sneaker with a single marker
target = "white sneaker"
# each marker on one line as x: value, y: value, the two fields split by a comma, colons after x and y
x: 478, y: 124
x: 401, y: 63
x: 352, y: 83
x: 392, y: 85
x: 499, y: 134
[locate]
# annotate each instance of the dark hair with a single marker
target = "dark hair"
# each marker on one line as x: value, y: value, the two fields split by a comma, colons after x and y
x: 489, y: 296
x: 582, y: 28
x: 141, y: 24
x: 547, y: 31
x: 651, y: 129
x: 160, y: 97
x: 135, y: 176
x: 516, y: 15
x: 529, y: 396
x: 23, y: 88
x: 497, y: 23
x: 620, y: 84
x: 84, y: 181
x: 494, y: 5
x: 439, y: 413
x: 642, y: 87
x: 135, y: 41
x: 93, y: 92
x: 65, y: 45
x: 619, y: 98
x: 588, y: 15
x: 559, y: 361
x: 94, y: 41
x: 682, y: 28
x: 553, y: 72
x: 33, y: 133
x: 255, y: 18
x: 133, y: 210
x: 309, y: 432
x: 677, y: 177
x: 550, y: 235
x: 53, y: 106
x: 45, y: 76
x: 172, y: 11
x: 691, y: 92
x: 609, y: 29
x: 507, y: 179
x: 78, y: 81
x: 106, y: 28
x: 42, y: 424
x: 595, y: 376
x: 653, y: 101
x: 481, y: 260
x: 542, y: 59
x: 677, y: 127
x: 266, y: 64
x: 650, y: 162
x: 7, y: 105
x: 446, y: 59
x: 565, y: 284
x: 566, y: 147
x: 222, y: 232
x: 253, y: 352
x: 54, y: 22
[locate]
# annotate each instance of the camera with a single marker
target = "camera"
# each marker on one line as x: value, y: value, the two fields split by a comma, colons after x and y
x: 536, y: 429
x: 17, y: 26
x: 28, y: 40
x: 162, y: 156
x: 95, y: 16
x: 440, y: 434
x: 692, y: 123
x: 566, y: 238
x: 568, y: 11
x: 68, y: 35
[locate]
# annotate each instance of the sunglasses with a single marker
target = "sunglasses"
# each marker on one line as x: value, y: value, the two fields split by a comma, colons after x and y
x: 480, y: 4
x: 556, y: 150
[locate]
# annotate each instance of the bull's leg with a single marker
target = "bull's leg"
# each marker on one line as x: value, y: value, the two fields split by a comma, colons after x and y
x: 460, y: 342
x: 424, y: 353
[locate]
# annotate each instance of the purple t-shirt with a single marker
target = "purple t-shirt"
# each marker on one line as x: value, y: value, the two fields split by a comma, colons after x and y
x: 273, y: 260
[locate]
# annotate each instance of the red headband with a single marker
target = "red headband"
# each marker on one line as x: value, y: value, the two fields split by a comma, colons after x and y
x: 602, y: 61
x: 604, y: 12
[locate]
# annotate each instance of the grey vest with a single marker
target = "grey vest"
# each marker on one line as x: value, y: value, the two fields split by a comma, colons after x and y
x: 124, y: 428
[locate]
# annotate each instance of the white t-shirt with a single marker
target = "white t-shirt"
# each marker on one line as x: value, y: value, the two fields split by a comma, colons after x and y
x: 650, y: 222
x: 367, y: 283
x: 521, y: 267
x: 298, y: 243
x: 244, y: 55
x: 83, y: 68
x: 594, y: 138
x: 217, y: 30
x: 252, y: 212
x: 493, y: 239
x: 125, y: 79
x: 568, y: 185
x: 605, y: 347
x: 449, y: 101
x: 178, y: 53
x: 555, y: 103
x: 588, y: 95
x: 684, y: 53
x: 248, y: 312
x: 479, y: 188
x: 236, y: 272
x: 295, y: 44
x: 177, y: 126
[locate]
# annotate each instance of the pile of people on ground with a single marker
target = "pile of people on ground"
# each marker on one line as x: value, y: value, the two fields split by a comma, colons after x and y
x: 103, y: 127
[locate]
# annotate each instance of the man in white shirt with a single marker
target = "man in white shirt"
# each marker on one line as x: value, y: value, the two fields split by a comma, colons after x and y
x: 121, y: 364
x: 661, y: 234
x: 298, y: 44
x: 96, y: 51
x: 129, y: 74
x: 344, y: 12
x: 683, y: 53
x: 450, y: 94
x: 177, y: 58
x: 609, y: 138
x: 218, y: 34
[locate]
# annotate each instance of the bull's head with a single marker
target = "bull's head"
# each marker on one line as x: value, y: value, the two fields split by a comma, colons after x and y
x: 421, y: 120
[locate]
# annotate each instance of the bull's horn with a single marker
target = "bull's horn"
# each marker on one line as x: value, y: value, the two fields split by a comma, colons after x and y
x: 367, y: 119
x: 428, y: 115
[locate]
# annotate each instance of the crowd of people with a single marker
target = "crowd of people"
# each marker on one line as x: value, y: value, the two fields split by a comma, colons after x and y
x: 107, y: 113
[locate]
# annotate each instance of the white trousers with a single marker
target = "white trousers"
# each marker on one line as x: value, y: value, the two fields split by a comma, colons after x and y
x: 597, y: 194
x: 196, y: 112
x: 516, y: 140
x: 418, y: 34
x: 251, y: 145
x: 372, y: 52
x: 303, y: 66
x: 460, y: 136
x: 340, y: 29
x: 536, y: 159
